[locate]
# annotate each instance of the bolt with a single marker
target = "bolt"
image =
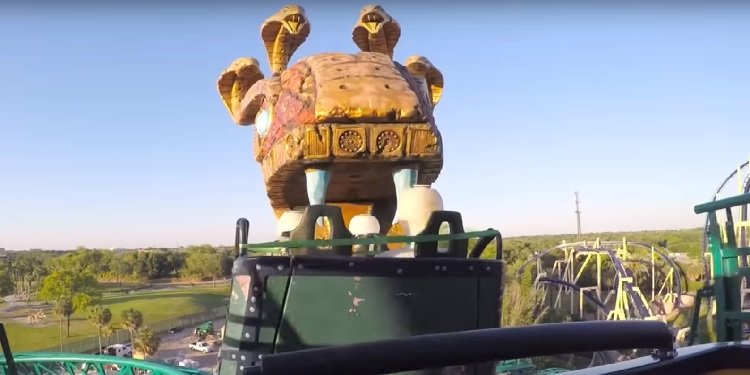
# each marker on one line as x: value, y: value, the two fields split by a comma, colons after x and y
x: 399, y: 271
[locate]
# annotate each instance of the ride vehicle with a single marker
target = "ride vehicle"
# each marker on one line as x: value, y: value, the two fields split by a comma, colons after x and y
x: 363, y: 280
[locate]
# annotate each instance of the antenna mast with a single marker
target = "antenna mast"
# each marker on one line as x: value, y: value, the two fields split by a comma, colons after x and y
x: 578, y: 217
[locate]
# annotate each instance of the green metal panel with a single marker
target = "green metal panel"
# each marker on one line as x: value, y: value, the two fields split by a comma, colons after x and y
x: 259, y: 332
x: 273, y: 300
x: 233, y: 328
x: 489, y: 302
x: 337, y: 310
x: 228, y: 367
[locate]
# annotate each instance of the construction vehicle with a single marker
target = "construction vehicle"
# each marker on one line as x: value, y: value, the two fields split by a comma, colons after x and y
x: 204, y: 330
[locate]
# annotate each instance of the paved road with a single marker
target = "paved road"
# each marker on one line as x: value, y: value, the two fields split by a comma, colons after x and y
x: 175, y: 345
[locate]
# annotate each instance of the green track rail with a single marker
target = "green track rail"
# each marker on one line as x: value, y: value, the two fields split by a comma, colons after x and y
x: 727, y: 273
x: 269, y: 247
x: 65, y: 363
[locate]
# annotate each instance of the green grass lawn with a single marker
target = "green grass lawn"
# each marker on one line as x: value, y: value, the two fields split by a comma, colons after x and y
x: 155, y: 306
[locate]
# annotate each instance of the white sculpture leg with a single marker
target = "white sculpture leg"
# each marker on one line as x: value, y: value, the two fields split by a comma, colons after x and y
x: 403, y: 178
x: 317, y: 184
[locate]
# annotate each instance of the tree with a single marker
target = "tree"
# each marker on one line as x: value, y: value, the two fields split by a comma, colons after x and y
x: 91, y: 261
x: 7, y: 285
x: 204, y: 261
x: 132, y: 321
x: 63, y: 309
x: 146, y: 341
x: 70, y: 291
x: 100, y: 317
x: 120, y: 267
x: 522, y: 303
x: 108, y: 331
x: 21, y: 271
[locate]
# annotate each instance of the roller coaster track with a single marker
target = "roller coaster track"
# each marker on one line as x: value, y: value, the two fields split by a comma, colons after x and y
x: 586, y: 294
x: 76, y: 364
x: 624, y: 277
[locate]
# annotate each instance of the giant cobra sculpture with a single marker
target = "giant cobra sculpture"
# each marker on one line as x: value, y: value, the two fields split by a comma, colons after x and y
x: 352, y: 130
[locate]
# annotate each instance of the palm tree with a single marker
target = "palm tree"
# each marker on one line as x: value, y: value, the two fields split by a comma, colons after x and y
x: 100, y: 317
x: 64, y: 309
x: 132, y: 320
x: 146, y: 342
x: 107, y: 332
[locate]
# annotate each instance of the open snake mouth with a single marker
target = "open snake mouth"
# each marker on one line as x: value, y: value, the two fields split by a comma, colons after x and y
x: 293, y: 22
x: 373, y: 21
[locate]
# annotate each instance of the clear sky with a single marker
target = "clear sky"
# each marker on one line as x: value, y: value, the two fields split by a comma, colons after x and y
x: 112, y: 133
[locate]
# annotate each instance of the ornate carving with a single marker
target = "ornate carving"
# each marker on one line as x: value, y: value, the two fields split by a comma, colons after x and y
x: 291, y: 146
x: 376, y: 31
x: 317, y: 142
x: 422, y: 141
x: 282, y: 34
x: 257, y: 144
x: 234, y: 83
x: 388, y: 141
x: 428, y: 76
x: 351, y: 141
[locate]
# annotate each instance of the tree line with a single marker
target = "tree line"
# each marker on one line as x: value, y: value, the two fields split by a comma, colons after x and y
x: 71, y: 281
x: 25, y: 271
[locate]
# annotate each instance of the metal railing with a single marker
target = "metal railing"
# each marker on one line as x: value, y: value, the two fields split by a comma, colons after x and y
x: 79, y: 364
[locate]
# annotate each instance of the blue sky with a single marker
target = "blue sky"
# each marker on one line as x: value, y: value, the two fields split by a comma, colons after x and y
x: 112, y: 133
